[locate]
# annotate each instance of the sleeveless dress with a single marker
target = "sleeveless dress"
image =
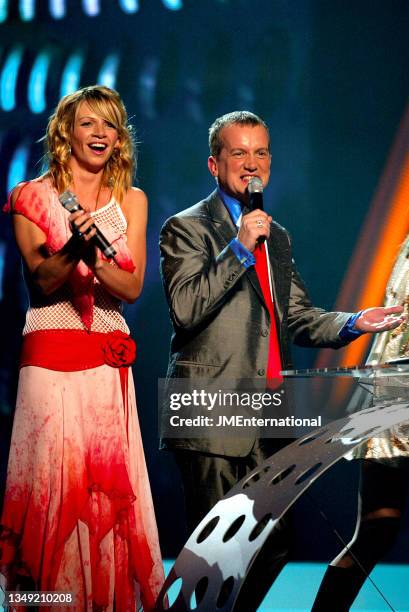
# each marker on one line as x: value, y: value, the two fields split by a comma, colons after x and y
x: 78, y: 514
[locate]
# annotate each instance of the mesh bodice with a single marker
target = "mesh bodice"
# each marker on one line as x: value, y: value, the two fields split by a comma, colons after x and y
x: 57, y: 311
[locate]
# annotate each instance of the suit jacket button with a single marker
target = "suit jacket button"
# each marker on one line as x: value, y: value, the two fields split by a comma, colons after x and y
x: 261, y: 372
x: 264, y: 333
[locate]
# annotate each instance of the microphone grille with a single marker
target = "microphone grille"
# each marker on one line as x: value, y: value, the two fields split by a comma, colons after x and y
x: 255, y: 185
x: 69, y: 201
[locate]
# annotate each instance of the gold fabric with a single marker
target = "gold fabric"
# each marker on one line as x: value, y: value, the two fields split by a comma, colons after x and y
x: 393, y: 443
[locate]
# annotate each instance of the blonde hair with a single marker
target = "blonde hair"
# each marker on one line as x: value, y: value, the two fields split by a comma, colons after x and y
x: 105, y: 102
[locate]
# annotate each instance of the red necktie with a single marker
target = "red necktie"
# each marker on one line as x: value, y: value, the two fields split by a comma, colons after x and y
x: 274, y: 357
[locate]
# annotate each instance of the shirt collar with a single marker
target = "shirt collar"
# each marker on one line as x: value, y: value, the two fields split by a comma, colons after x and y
x: 235, y: 207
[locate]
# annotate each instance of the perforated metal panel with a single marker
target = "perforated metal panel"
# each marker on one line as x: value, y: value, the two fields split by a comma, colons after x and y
x: 221, y: 550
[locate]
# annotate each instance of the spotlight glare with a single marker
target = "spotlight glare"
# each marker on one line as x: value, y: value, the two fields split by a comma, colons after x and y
x: 57, y: 9
x: 91, y: 7
x: 3, y: 10
x: 72, y: 72
x: 8, y: 80
x: 18, y: 166
x: 37, y: 82
x: 107, y: 74
x: 129, y: 6
x: 173, y: 5
x: 147, y: 86
x: 27, y: 9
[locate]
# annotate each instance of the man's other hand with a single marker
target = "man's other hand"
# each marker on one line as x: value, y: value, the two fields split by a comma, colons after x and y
x: 380, y: 319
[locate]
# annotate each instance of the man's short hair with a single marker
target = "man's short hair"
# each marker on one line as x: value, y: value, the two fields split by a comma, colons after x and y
x: 239, y: 117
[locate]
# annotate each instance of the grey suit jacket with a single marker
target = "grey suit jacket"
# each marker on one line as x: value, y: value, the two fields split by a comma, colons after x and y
x: 220, y: 320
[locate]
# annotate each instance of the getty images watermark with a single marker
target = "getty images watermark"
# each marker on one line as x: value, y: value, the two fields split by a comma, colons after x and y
x: 220, y: 400
x: 230, y: 408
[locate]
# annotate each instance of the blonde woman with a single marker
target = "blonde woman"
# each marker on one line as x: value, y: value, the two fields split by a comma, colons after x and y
x: 78, y: 514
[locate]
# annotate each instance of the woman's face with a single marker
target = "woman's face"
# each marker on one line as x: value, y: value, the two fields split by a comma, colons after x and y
x: 93, y: 139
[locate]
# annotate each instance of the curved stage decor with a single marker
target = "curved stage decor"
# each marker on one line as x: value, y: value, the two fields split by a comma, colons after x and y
x: 218, y: 555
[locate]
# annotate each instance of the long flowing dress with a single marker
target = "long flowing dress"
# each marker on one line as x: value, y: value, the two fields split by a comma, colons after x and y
x: 78, y: 515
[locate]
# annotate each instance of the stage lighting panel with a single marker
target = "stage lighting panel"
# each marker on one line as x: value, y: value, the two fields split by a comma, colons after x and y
x: 108, y: 72
x: 18, y: 166
x: 3, y: 10
x: 91, y: 7
x: 27, y: 10
x: 129, y: 6
x: 70, y: 80
x: 37, y: 83
x: 57, y: 9
x: 8, y: 79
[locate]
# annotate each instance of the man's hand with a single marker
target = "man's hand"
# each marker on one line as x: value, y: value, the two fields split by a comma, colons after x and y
x: 254, y: 225
x: 375, y: 320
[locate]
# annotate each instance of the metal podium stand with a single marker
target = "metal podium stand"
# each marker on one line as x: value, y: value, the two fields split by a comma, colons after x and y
x: 218, y: 555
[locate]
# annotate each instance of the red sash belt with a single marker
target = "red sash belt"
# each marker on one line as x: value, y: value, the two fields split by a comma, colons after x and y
x: 71, y: 350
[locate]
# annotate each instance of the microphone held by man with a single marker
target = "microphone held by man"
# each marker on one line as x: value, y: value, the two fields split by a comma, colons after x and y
x: 255, y: 226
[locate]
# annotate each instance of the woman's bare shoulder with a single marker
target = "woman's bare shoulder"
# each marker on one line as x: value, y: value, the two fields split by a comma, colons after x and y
x: 28, y: 188
x: 135, y: 202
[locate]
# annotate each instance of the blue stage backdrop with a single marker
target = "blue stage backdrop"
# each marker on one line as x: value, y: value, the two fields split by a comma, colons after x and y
x: 330, y: 78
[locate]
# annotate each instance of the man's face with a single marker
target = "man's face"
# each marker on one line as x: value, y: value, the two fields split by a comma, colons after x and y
x: 245, y: 154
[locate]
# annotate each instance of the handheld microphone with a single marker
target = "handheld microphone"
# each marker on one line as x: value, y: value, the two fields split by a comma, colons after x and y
x: 255, y: 189
x: 70, y: 203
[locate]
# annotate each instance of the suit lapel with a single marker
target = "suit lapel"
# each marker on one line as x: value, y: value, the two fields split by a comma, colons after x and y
x: 280, y: 269
x: 221, y: 219
x: 227, y: 231
x: 277, y: 250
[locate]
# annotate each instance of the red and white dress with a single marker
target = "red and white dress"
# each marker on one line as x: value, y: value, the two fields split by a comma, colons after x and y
x: 78, y: 514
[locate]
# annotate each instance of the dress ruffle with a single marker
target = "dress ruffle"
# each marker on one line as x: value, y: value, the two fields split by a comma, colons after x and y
x: 77, y: 482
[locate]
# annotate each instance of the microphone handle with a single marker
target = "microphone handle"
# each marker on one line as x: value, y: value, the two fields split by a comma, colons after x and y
x: 103, y: 244
x: 256, y: 201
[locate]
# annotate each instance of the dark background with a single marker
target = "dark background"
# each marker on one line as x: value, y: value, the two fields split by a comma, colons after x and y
x: 330, y: 78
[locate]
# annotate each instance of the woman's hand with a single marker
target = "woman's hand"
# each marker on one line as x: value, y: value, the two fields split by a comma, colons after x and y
x: 122, y: 284
x: 83, y: 231
x: 82, y: 225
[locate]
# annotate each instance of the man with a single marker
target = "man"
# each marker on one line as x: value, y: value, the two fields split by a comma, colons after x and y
x: 229, y: 321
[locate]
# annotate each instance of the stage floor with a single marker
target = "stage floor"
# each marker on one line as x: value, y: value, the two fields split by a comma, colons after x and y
x: 297, y: 584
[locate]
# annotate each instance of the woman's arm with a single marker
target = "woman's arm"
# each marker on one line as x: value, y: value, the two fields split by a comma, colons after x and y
x: 48, y: 272
x: 128, y: 285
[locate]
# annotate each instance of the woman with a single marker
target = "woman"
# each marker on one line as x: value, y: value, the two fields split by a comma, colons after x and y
x: 78, y: 514
x: 384, y: 473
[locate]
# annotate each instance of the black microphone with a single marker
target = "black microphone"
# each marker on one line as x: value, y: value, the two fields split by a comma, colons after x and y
x: 255, y: 189
x: 70, y: 203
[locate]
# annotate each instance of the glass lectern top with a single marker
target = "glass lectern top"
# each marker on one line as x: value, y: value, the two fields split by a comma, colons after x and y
x: 397, y: 367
